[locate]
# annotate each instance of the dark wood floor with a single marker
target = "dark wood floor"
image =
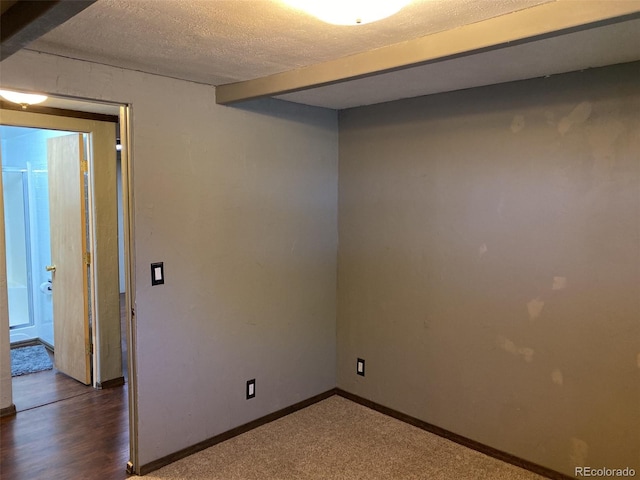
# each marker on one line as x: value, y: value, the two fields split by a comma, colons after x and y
x: 64, y: 430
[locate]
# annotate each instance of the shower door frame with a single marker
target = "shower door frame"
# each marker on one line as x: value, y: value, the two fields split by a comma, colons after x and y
x: 27, y: 240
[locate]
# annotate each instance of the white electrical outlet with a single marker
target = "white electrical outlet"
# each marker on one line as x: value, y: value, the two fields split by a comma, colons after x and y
x: 360, y: 367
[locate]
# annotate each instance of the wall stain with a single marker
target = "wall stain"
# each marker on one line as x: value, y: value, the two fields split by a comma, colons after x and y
x: 517, y: 124
x: 534, y: 307
x: 602, y: 140
x: 578, y: 115
x: 525, y: 352
x: 559, y: 283
x: 556, y: 377
x: 578, y: 452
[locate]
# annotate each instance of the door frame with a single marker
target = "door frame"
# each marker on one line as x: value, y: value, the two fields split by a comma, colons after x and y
x: 75, y: 123
x: 126, y: 166
x: 102, y: 217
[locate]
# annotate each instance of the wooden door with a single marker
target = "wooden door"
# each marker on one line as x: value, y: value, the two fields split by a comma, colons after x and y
x: 68, y: 220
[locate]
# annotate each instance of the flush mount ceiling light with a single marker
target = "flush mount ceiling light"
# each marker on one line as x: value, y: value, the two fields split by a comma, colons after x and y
x: 349, y: 12
x: 24, y: 99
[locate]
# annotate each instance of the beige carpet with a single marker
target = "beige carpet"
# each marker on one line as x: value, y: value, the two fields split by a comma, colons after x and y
x: 339, y: 439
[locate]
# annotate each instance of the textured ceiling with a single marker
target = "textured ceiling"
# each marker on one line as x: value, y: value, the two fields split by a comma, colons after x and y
x: 223, y: 41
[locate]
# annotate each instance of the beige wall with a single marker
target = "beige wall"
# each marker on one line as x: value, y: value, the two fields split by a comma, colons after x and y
x: 241, y: 206
x: 489, y: 264
x: 488, y: 259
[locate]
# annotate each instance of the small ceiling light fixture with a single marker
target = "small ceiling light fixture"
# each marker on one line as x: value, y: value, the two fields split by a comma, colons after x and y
x: 24, y: 99
x: 349, y: 12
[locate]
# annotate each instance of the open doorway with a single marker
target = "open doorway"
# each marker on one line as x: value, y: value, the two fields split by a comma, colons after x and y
x: 107, y: 316
x: 73, y: 266
x: 43, y: 204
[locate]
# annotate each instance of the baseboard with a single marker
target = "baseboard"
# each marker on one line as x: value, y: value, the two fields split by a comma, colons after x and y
x: 454, y: 437
x: 441, y: 432
x: 161, y: 462
x: 47, y: 345
x: 32, y: 342
x: 8, y: 411
x: 115, y: 382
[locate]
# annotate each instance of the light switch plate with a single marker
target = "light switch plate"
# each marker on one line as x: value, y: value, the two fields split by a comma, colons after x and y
x: 360, y: 367
x: 157, y: 273
x: 251, y: 388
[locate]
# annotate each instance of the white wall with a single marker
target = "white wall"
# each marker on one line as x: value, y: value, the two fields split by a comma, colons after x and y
x: 241, y: 206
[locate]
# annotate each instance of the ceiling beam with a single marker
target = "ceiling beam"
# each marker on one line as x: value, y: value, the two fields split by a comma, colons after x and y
x: 539, y: 22
x: 24, y: 21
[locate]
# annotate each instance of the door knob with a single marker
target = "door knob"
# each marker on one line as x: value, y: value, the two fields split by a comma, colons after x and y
x: 50, y: 268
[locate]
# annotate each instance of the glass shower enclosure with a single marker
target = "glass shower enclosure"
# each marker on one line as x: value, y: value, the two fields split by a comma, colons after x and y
x: 27, y: 237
